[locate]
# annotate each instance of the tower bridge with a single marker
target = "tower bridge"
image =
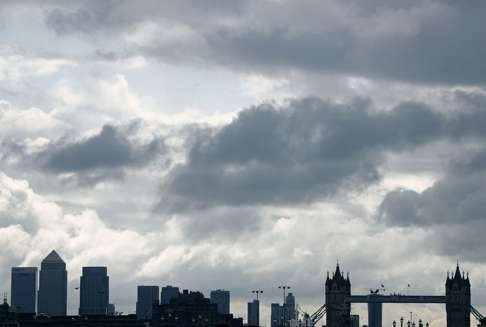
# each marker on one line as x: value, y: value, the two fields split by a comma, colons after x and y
x: 379, y: 298
x: 457, y: 300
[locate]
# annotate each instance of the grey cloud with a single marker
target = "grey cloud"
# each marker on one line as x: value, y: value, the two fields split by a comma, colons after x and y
x: 222, y: 223
x: 302, y: 152
x: 421, y: 41
x: 435, y: 53
x: 456, y: 199
x: 453, y: 208
x: 470, y: 99
x: 108, y: 149
x: 105, y: 155
x: 400, y: 207
x: 98, y: 17
x: 462, y: 240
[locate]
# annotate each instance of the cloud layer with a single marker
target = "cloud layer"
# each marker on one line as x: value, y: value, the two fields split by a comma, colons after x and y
x: 305, y: 151
x: 245, y: 144
x: 420, y: 41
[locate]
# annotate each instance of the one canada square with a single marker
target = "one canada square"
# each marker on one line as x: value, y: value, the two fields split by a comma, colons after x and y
x: 52, y: 297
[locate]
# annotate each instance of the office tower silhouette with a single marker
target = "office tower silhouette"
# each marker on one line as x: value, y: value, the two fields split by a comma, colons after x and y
x: 277, y: 315
x: 254, y: 313
x: 52, y: 297
x: 94, y: 291
x: 23, y: 289
x: 222, y: 299
x: 147, y: 296
x: 290, y: 306
x: 168, y: 293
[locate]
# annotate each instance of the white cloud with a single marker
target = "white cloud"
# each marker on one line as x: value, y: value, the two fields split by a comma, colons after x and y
x: 260, y: 88
x: 82, y: 237
x: 32, y: 122
x: 16, y: 66
x: 109, y: 96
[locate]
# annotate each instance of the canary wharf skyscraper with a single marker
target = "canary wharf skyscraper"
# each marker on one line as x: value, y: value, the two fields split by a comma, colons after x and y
x: 24, y: 289
x: 52, y: 297
x: 94, y: 292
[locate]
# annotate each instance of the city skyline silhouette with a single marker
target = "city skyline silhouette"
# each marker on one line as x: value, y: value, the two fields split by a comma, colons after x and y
x: 242, y: 146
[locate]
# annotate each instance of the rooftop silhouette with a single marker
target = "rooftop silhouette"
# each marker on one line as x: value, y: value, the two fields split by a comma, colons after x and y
x: 53, y: 257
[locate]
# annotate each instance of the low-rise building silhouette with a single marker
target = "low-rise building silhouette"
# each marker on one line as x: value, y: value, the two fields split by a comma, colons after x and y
x: 191, y: 309
x: 8, y: 318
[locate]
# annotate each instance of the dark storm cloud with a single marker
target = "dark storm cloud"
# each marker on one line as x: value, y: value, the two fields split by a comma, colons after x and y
x: 109, y: 150
x: 420, y: 41
x: 304, y: 151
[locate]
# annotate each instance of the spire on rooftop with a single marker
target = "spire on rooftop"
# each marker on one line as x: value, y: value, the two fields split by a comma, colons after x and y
x: 338, y: 271
x: 457, y: 274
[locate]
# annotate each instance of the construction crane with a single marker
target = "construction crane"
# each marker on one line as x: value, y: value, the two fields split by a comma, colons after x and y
x: 316, y: 316
x: 313, y: 318
x: 479, y: 317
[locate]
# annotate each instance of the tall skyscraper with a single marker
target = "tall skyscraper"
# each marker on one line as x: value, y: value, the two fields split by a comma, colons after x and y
x: 94, y: 291
x: 290, y: 307
x: 168, y: 293
x: 147, y: 296
x: 222, y: 299
x: 277, y: 317
x: 254, y: 313
x: 23, y: 289
x: 52, y: 297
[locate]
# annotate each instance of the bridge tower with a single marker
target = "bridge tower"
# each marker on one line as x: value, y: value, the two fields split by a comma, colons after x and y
x: 458, y: 299
x: 338, y: 289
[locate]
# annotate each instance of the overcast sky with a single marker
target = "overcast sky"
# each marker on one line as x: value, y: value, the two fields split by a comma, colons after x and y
x: 246, y: 144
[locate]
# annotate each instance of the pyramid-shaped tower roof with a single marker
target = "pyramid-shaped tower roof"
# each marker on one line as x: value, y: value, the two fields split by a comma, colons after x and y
x: 53, y: 257
x: 338, y: 271
x: 457, y: 274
